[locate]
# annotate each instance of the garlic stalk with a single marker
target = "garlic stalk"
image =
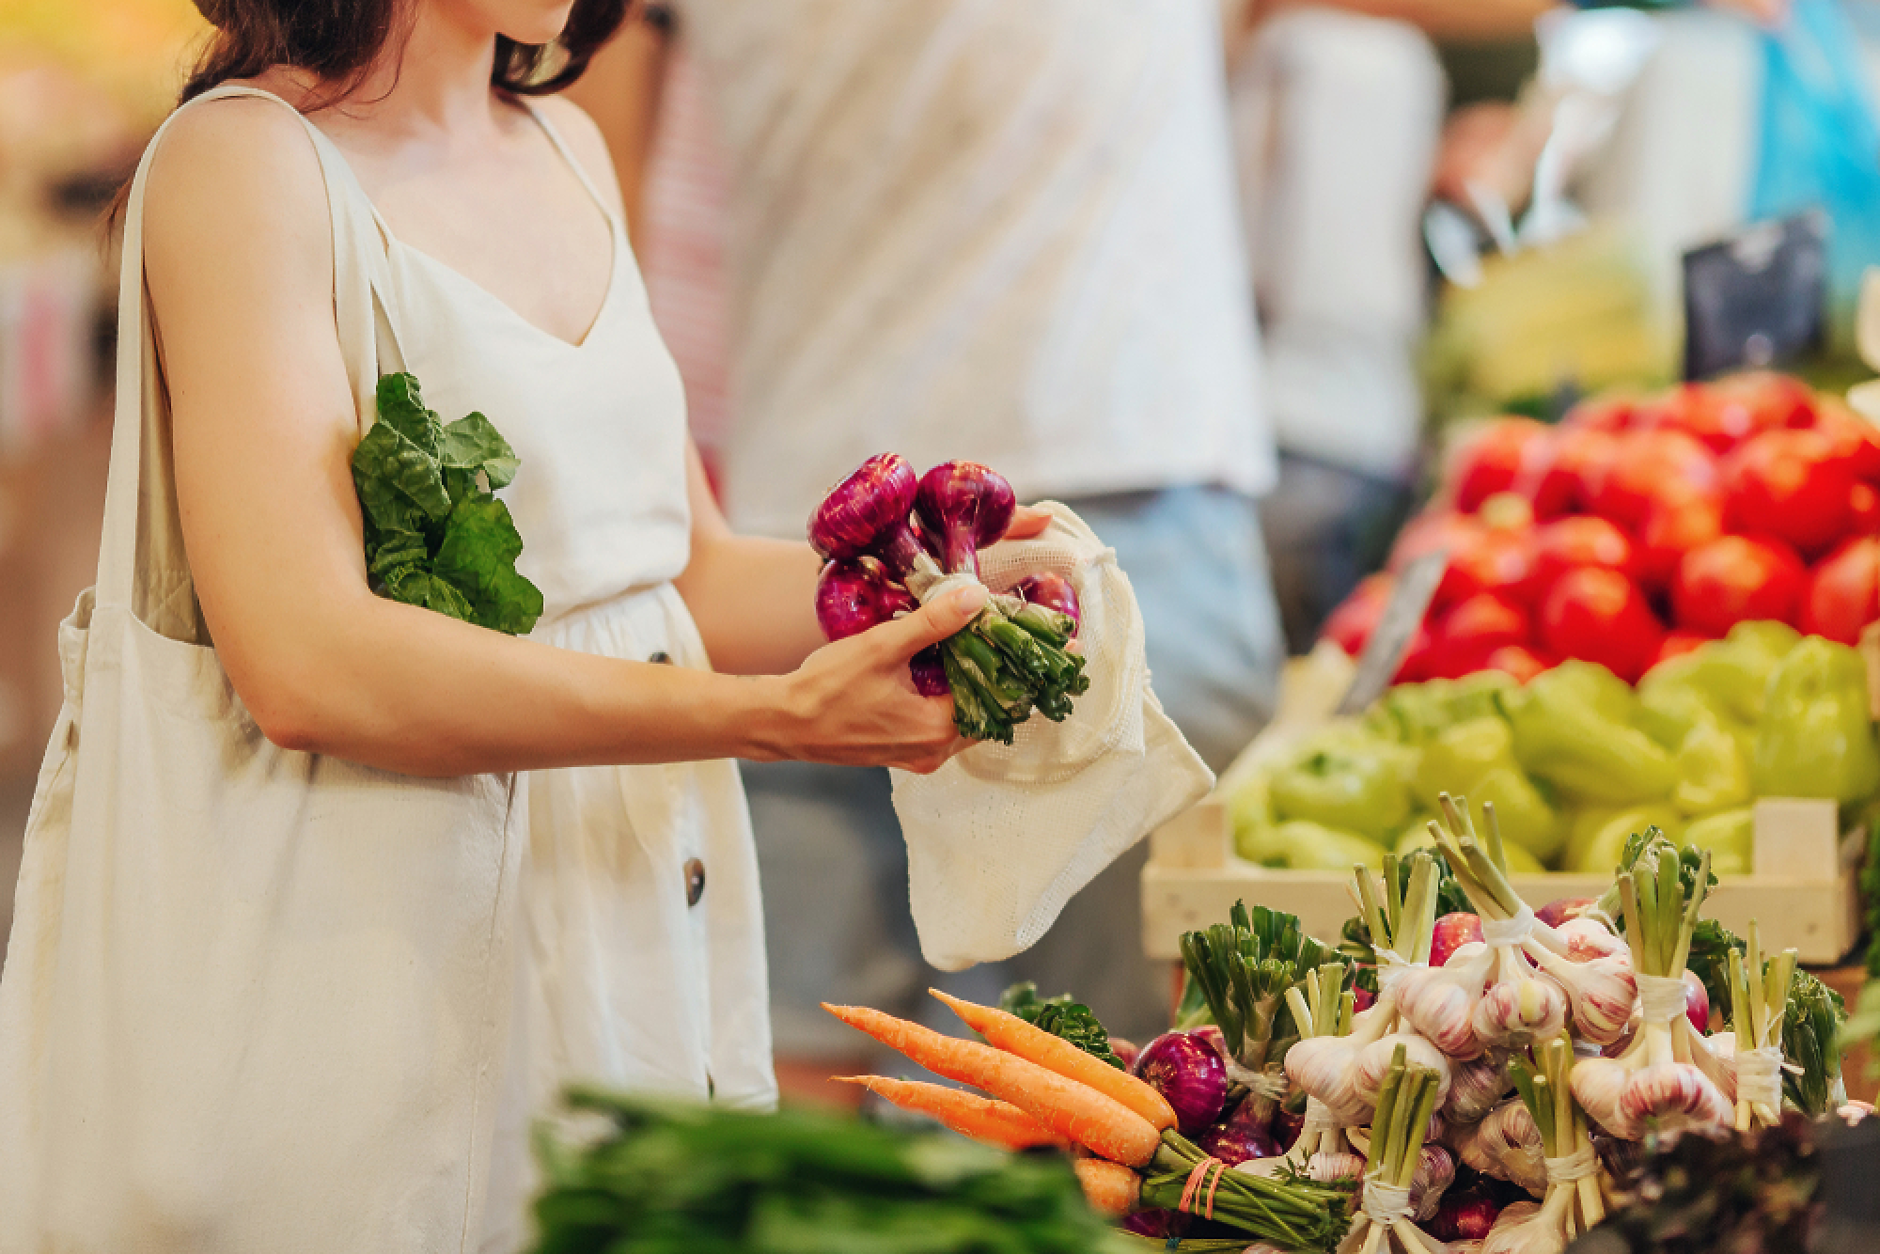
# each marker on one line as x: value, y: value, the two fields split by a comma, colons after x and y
x: 1321, y: 1008
x: 1759, y: 996
x: 1405, y: 1102
x: 1572, y: 1167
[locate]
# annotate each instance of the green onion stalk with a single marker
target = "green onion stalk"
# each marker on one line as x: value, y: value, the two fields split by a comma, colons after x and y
x: 1293, y: 1213
x: 1240, y: 972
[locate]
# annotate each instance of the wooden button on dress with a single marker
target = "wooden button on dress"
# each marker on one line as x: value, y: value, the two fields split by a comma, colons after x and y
x: 694, y: 881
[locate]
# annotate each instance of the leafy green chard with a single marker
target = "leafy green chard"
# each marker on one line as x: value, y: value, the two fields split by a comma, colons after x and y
x: 658, y: 1177
x: 435, y: 535
x: 1061, y: 1017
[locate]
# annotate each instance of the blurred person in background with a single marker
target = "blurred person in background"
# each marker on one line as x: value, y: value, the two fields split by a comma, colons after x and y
x: 1005, y: 233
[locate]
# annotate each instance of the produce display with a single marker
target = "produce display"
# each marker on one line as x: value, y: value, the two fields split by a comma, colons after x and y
x: 893, y: 541
x: 1639, y: 527
x: 1575, y: 759
x: 1463, y: 1073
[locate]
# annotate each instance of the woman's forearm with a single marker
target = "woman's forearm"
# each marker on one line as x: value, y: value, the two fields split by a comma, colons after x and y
x: 754, y: 601
x: 408, y: 690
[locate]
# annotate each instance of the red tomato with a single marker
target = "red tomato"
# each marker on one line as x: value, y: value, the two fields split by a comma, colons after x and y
x: 1418, y: 659
x: 1864, y: 504
x: 1677, y: 644
x: 1774, y: 400
x: 1793, y: 485
x: 1352, y: 623
x: 1650, y: 467
x: 1517, y: 660
x: 1601, y: 616
x: 1582, y: 459
x: 1429, y: 531
x: 1491, y: 561
x: 1613, y: 411
x: 1843, y: 593
x: 1715, y: 416
x: 1735, y: 579
x: 1490, y: 461
x: 1474, y: 628
x: 1672, y: 528
x: 1569, y: 543
x: 1855, y: 440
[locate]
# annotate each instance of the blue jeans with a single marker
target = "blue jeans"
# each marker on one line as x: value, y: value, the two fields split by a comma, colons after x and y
x: 829, y: 848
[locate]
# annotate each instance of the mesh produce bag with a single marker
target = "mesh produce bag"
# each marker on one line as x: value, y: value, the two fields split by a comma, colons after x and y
x: 1000, y: 837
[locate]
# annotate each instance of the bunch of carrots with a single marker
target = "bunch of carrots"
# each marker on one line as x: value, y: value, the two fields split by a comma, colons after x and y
x: 1037, y: 1090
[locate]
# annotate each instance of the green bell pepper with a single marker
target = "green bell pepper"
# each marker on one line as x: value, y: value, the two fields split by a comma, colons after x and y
x: 1476, y: 759
x: 1571, y: 730
x: 1355, y: 785
x: 1735, y: 671
x: 1712, y: 772
x: 1306, y: 846
x: 1816, y: 738
x: 1598, y: 837
x: 1731, y: 838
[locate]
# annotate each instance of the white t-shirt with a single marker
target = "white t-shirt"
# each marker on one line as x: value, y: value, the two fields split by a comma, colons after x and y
x: 981, y: 229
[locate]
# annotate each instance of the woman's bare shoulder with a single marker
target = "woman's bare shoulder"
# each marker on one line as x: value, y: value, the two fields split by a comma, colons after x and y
x: 236, y: 178
x: 584, y: 137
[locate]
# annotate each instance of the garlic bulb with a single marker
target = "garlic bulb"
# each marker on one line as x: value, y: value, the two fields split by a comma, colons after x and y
x: 1589, y: 938
x: 1475, y: 1087
x: 1374, y: 1060
x: 1508, y: 1146
x: 1674, y: 1094
x: 1601, y: 992
x: 1330, y: 1168
x: 1517, y: 1012
x: 1525, y: 1228
x: 1438, y: 1001
x: 1598, y: 1084
x: 1436, y: 1171
x: 1321, y: 1066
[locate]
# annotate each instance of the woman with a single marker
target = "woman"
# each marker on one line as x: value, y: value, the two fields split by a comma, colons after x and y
x: 298, y: 988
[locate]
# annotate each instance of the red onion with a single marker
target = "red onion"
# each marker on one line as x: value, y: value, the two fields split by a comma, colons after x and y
x: 1286, y: 1128
x: 1127, y: 1051
x: 1053, y: 592
x: 1464, y: 1215
x: 854, y: 595
x: 1187, y: 1071
x: 1451, y: 933
x: 1159, y: 1224
x: 1235, y: 1143
x: 930, y: 673
x: 962, y: 507
x: 856, y: 512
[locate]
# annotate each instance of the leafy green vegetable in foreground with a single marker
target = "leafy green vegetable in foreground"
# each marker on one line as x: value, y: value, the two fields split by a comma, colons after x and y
x: 1061, y: 1017
x: 1241, y: 970
x: 665, y: 1178
x: 435, y: 536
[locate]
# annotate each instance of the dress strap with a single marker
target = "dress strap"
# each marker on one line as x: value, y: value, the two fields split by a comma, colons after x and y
x: 567, y: 154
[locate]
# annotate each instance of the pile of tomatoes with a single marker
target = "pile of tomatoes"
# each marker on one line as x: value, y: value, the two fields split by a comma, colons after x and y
x: 1639, y: 527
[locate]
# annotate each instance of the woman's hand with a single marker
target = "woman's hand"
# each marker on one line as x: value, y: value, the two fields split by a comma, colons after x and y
x: 853, y: 702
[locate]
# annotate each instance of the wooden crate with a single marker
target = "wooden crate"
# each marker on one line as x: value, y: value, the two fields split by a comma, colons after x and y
x: 1803, y: 891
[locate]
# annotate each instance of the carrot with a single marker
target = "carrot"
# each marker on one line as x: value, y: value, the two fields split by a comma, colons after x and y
x: 1013, y: 1035
x: 969, y: 1114
x: 1111, y: 1188
x: 1074, y: 1111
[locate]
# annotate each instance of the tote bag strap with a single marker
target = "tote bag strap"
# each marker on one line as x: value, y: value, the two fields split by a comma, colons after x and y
x: 141, y: 563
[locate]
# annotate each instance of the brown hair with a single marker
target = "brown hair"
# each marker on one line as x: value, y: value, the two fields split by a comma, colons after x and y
x: 339, y: 39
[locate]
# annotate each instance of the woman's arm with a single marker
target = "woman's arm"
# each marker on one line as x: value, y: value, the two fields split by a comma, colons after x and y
x: 238, y: 258
x: 754, y: 599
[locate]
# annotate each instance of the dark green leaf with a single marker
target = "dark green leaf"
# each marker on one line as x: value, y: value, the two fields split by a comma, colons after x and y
x: 1061, y: 1017
x: 397, y: 481
x: 471, y: 443
x: 401, y: 407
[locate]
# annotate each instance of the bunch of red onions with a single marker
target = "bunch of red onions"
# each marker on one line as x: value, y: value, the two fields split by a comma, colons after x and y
x: 894, y: 542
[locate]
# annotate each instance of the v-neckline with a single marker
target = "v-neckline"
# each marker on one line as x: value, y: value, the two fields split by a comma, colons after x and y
x: 614, y: 240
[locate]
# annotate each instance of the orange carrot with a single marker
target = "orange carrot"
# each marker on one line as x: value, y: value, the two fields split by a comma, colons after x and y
x: 1074, y: 1111
x: 1013, y: 1035
x: 1111, y: 1188
x: 969, y: 1114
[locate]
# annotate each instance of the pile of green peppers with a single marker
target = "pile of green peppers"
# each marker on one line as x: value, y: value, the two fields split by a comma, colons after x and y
x: 1576, y: 760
